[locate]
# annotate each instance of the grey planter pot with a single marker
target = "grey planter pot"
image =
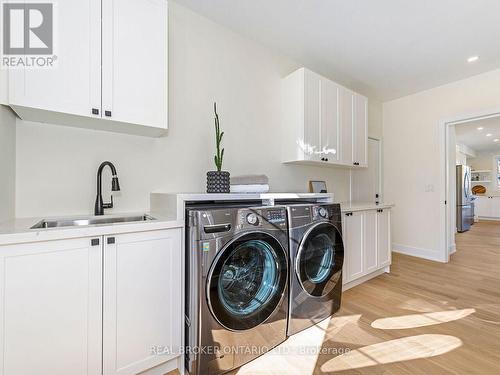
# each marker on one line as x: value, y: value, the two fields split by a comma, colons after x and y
x: 218, y: 182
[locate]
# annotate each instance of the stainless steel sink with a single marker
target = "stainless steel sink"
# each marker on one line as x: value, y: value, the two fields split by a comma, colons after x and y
x: 78, y: 222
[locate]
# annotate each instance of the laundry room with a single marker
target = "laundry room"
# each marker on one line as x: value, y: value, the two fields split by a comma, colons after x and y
x: 248, y: 187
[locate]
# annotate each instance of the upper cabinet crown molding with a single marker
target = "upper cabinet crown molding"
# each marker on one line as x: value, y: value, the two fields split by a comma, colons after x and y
x: 323, y: 122
x: 111, y: 72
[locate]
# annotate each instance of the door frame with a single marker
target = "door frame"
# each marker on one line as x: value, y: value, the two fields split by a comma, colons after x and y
x: 444, y: 183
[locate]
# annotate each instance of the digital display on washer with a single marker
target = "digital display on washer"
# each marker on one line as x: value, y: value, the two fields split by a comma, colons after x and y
x: 276, y: 216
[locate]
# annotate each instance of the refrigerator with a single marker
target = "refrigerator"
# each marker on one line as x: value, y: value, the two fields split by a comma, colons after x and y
x: 465, y: 202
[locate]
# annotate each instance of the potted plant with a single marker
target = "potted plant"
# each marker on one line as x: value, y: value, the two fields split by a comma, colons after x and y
x: 218, y: 181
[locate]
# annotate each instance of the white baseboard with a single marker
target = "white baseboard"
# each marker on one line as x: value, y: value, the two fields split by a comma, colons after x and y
x: 418, y: 252
x: 452, y: 249
x: 486, y: 218
x: 362, y: 279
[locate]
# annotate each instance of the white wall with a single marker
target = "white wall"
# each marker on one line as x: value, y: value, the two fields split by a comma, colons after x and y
x: 7, y: 163
x: 56, y: 165
x: 412, y: 155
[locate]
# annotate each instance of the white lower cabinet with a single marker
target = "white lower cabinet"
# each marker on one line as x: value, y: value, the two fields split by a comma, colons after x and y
x: 367, y: 243
x: 51, y: 309
x: 142, y: 301
x: 86, y: 306
x: 353, y: 245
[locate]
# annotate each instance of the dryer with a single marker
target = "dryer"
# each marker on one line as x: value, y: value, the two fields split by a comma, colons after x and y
x: 236, y: 286
x: 316, y: 260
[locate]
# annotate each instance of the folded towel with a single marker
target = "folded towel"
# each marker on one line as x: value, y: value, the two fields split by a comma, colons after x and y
x: 250, y: 179
x: 255, y: 188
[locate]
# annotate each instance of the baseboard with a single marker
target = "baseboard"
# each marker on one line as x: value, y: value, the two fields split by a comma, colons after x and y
x: 429, y: 254
x: 452, y: 249
x: 363, y: 279
x: 485, y: 218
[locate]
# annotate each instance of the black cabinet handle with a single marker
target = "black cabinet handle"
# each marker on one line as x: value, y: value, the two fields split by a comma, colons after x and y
x: 94, y: 242
x: 95, y: 111
x: 348, y: 214
x: 111, y: 240
x: 107, y: 113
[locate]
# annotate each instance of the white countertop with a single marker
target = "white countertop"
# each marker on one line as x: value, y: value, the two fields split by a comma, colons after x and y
x: 363, y: 206
x: 18, y: 230
x: 175, y: 203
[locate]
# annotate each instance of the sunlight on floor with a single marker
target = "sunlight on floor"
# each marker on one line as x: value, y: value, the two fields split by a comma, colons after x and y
x: 404, y: 349
x: 421, y: 320
x: 298, y: 354
x: 421, y: 305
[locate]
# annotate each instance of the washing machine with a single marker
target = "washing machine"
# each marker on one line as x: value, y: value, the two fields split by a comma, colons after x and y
x: 316, y: 260
x: 236, y: 286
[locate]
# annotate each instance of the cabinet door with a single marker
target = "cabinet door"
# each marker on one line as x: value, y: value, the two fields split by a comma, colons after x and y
x: 134, y: 60
x: 384, y: 237
x: 312, y: 116
x: 370, y: 240
x: 142, y: 300
x: 483, y: 207
x: 360, y: 130
x: 353, y: 245
x: 51, y: 308
x: 73, y: 86
x: 329, y: 121
x: 495, y: 207
x: 346, y: 126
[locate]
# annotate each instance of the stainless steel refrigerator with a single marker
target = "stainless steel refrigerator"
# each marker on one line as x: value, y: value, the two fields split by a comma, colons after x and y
x: 465, y: 203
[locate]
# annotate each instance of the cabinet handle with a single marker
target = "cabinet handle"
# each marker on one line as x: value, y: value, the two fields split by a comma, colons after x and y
x: 111, y: 240
x: 94, y: 242
x: 95, y: 111
x: 107, y: 113
x: 348, y: 214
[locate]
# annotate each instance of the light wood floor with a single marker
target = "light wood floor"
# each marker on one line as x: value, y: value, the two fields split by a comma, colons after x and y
x: 422, y: 318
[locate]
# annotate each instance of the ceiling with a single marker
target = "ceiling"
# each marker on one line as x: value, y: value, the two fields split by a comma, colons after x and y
x: 469, y: 135
x: 384, y: 48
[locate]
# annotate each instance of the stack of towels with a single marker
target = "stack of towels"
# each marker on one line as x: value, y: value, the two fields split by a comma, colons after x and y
x: 252, y: 183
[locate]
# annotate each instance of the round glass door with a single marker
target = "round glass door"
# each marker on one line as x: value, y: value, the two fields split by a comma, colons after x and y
x: 247, y: 281
x: 319, y: 259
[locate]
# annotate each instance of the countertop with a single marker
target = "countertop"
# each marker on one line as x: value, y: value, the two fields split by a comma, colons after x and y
x: 363, y: 206
x: 175, y: 204
x: 18, y: 231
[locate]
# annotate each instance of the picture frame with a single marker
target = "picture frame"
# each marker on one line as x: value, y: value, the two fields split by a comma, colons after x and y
x: 317, y: 187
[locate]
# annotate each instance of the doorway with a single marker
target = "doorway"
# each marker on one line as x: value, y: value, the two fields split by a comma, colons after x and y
x: 471, y: 152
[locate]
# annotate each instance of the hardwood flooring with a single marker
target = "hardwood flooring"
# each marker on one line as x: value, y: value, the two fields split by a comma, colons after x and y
x: 423, y: 318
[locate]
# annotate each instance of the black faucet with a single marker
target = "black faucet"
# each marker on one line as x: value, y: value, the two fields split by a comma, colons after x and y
x: 115, y: 186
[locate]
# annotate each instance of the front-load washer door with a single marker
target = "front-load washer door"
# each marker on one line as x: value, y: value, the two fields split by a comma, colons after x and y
x: 247, y: 281
x: 319, y: 260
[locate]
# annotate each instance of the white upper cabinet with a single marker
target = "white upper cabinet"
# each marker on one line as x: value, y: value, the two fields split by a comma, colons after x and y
x: 330, y: 131
x: 111, y: 70
x: 321, y: 122
x: 134, y: 62
x: 360, y: 130
x: 73, y: 86
x: 312, y: 116
x: 346, y: 118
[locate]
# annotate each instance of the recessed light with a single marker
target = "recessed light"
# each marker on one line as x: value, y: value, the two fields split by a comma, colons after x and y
x: 489, y: 135
x: 496, y: 140
x: 480, y: 128
x: 472, y: 59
